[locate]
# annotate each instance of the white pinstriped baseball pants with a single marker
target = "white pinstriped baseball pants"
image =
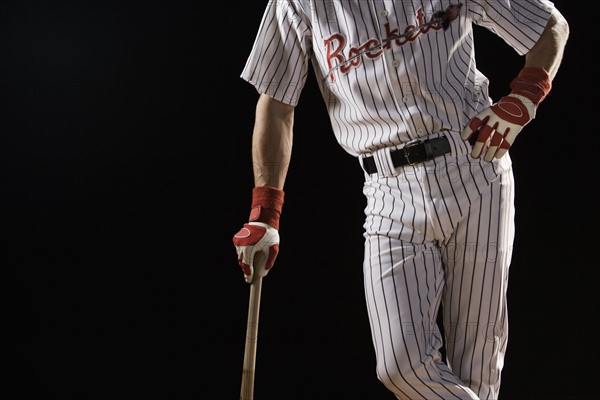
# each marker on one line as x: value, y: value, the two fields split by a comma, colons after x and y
x: 440, y: 232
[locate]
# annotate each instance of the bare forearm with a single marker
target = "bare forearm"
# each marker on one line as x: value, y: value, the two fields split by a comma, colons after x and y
x: 548, y: 51
x: 272, y: 142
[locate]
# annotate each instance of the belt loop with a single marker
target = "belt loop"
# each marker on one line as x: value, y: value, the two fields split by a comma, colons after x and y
x: 384, y: 162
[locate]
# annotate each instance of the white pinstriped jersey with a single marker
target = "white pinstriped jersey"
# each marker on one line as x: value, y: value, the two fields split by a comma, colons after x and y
x: 406, y: 88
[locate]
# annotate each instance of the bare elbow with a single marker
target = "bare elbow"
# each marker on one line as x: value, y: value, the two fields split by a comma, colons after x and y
x: 271, y: 109
x: 559, y: 25
x: 275, y: 106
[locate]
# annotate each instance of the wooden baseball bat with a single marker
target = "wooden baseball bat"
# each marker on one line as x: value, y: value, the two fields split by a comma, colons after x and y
x: 247, y: 390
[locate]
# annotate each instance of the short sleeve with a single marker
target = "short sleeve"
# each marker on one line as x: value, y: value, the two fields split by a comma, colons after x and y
x: 519, y: 23
x: 280, y: 57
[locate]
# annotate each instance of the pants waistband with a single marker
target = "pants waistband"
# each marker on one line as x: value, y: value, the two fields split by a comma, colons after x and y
x: 386, y: 161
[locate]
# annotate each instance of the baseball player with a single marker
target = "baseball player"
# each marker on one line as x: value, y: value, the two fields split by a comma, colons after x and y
x: 404, y: 96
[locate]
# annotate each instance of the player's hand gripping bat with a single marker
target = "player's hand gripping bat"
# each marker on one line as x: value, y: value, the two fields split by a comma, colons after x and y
x: 257, y: 246
x: 256, y: 260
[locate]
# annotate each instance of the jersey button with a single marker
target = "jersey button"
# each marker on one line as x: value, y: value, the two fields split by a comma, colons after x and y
x: 405, y: 99
x: 420, y: 131
x: 385, y: 13
x: 395, y: 63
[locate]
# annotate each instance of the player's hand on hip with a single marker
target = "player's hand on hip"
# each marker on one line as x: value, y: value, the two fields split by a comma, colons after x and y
x: 257, y: 246
x: 497, y: 126
x: 257, y: 243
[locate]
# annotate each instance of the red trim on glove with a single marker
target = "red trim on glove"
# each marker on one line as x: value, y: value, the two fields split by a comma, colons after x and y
x: 267, y: 202
x: 533, y: 83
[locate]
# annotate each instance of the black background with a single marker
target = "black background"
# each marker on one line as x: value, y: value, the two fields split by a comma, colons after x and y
x: 126, y: 170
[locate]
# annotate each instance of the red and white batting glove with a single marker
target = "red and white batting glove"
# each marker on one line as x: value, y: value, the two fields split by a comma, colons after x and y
x: 497, y: 126
x: 257, y: 243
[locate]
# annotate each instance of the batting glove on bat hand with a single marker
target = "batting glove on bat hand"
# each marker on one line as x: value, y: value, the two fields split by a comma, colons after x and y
x: 498, y: 126
x: 257, y: 243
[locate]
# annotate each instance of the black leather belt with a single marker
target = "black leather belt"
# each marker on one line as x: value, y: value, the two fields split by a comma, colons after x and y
x: 413, y: 153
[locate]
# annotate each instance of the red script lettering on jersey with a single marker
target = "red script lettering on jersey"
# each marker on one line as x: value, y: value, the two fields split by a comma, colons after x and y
x: 372, y: 48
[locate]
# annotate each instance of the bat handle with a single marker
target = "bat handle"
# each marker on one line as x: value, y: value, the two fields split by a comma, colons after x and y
x: 247, y: 389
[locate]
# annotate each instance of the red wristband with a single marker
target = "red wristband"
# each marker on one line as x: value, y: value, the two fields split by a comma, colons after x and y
x: 533, y: 83
x: 267, y: 202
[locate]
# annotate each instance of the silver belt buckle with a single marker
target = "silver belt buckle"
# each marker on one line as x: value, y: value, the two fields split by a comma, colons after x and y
x: 408, y: 145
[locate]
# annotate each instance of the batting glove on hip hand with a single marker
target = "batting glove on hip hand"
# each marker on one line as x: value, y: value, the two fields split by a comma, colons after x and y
x: 497, y: 127
x: 257, y: 243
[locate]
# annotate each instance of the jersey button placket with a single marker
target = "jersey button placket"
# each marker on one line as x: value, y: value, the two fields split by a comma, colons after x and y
x: 389, y: 58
